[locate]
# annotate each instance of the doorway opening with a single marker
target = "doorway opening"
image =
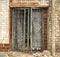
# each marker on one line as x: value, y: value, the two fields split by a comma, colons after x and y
x: 28, y: 29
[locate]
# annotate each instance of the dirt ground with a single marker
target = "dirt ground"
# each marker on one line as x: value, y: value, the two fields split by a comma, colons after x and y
x: 21, y: 54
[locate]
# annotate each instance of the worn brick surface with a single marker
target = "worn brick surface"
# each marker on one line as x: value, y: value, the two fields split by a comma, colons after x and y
x: 4, y: 25
x: 4, y: 21
x: 58, y: 25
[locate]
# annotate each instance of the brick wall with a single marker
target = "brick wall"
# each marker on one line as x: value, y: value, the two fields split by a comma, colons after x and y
x: 58, y: 25
x: 4, y: 47
x: 49, y: 25
x: 45, y: 27
x: 4, y: 25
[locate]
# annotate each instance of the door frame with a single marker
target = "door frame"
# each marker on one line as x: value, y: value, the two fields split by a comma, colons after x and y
x: 45, y: 30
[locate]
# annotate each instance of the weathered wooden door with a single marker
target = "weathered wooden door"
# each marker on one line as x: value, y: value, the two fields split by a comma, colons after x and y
x: 36, y: 20
x: 27, y: 29
x: 20, y: 28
